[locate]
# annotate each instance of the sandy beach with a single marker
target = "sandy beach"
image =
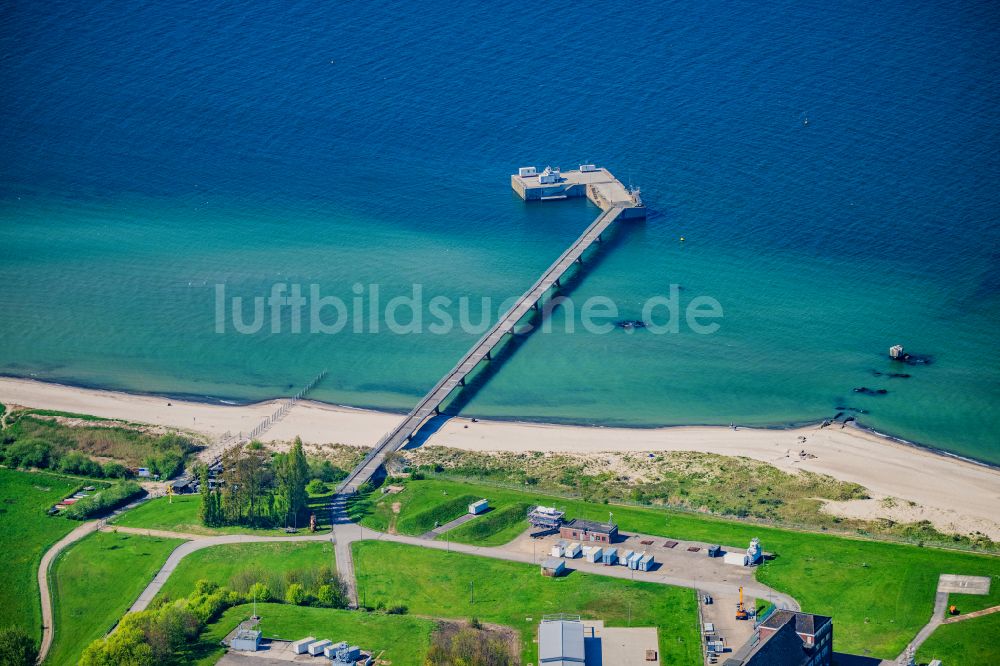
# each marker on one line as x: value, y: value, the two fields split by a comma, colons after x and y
x: 955, y: 495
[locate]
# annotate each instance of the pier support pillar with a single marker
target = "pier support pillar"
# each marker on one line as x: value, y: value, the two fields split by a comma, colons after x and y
x: 461, y: 382
x: 489, y: 356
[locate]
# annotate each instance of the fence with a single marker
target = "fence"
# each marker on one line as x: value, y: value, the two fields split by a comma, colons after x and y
x: 940, y: 544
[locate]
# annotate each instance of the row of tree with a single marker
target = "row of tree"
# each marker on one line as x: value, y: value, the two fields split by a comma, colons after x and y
x: 258, y: 489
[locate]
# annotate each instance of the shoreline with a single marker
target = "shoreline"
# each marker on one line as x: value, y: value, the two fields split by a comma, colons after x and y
x: 789, y: 426
x: 957, y: 495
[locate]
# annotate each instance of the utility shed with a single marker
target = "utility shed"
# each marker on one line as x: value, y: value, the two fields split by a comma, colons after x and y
x: 479, y: 507
x: 560, y: 643
x: 645, y: 562
x: 246, y: 640
x: 610, y: 556
x: 553, y: 566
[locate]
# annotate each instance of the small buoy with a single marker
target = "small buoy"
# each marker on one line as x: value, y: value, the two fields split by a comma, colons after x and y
x: 682, y: 239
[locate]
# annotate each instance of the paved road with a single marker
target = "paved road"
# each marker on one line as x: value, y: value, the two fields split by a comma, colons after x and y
x: 937, y: 617
x: 199, y: 543
x: 43, y: 581
x: 441, y: 529
x: 345, y: 533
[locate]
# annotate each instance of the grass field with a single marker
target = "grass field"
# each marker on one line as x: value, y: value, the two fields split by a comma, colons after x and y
x: 404, y: 639
x: 220, y: 563
x: 94, y: 582
x: 969, y: 643
x: 181, y: 514
x: 878, y: 593
x: 27, y: 533
x: 442, y: 584
x: 493, y: 529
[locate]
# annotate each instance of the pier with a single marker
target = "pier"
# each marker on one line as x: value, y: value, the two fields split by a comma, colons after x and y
x: 615, y: 202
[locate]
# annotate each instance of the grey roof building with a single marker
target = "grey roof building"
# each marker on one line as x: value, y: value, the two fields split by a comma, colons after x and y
x: 560, y: 642
x: 788, y: 638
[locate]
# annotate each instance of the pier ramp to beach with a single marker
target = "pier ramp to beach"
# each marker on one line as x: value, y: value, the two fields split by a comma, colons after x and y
x: 615, y: 202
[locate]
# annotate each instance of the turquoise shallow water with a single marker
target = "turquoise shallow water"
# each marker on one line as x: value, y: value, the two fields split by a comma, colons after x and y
x: 153, y: 154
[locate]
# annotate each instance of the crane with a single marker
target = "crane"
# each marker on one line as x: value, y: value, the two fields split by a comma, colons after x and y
x: 741, y: 611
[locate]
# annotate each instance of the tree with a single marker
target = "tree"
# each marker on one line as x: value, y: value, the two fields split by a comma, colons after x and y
x: 17, y: 648
x: 293, y: 473
x: 247, y: 485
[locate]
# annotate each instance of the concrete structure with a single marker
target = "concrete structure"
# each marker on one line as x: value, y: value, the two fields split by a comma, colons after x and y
x: 482, y: 351
x: 479, y: 507
x: 331, y: 650
x: 246, y: 640
x: 302, y: 646
x: 588, y: 530
x: 560, y: 641
x: 788, y: 638
x: 553, y: 566
x: 597, y: 184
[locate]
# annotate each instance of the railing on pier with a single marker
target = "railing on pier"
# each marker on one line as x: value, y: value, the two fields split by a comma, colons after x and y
x: 430, y: 403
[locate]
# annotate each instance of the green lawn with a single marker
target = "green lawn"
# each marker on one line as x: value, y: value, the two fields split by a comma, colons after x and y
x: 440, y: 584
x: 969, y: 643
x: 878, y: 593
x: 95, y: 581
x: 181, y: 514
x: 27, y: 533
x: 495, y: 528
x: 404, y: 639
x: 220, y: 563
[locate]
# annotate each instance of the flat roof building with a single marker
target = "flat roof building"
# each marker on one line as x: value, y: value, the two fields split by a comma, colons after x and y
x: 589, y: 530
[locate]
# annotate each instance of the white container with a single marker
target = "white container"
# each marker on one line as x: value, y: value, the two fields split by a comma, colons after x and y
x: 594, y: 554
x: 527, y: 172
x: 317, y: 648
x: 557, y: 550
x: 588, y: 168
x: 302, y: 646
x: 572, y: 551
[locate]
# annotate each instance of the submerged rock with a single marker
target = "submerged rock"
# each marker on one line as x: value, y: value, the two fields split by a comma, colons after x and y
x: 864, y: 390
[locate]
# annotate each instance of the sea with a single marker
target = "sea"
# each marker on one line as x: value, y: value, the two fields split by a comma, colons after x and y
x: 823, y: 176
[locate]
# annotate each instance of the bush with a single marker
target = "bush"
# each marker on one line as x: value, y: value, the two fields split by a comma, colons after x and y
x: 113, y: 470
x: 259, y: 592
x: 28, y: 453
x: 17, y: 648
x: 104, y: 501
x: 317, y: 487
x: 326, y: 471
x: 296, y: 594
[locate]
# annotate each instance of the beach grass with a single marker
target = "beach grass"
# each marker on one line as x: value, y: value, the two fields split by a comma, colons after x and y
x: 400, y: 639
x: 879, y: 594
x: 27, y: 533
x: 219, y: 564
x: 95, y: 581
x: 180, y: 513
x: 970, y: 643
x: 454, y: 585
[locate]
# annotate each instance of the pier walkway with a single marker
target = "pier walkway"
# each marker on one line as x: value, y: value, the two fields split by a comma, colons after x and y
x: 431, y: 402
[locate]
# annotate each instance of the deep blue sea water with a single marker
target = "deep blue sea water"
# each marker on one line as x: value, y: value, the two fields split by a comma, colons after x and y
x: 833, y: 168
